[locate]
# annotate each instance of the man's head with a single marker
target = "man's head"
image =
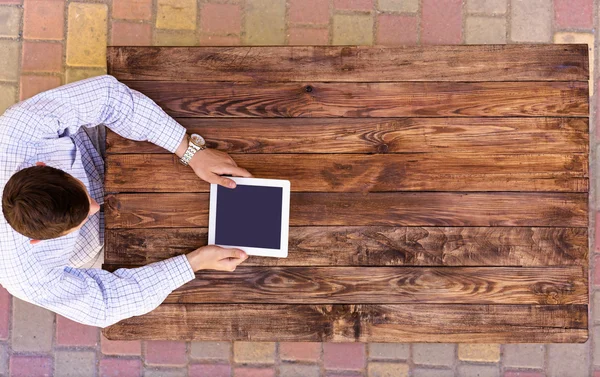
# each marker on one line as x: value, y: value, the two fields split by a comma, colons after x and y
x: 42, y: 202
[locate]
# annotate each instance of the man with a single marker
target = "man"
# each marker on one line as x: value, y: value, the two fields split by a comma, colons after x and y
x: 51, y: 231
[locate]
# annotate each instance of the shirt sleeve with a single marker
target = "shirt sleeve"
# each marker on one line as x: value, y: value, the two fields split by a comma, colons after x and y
x: 99, y: 100
x: 99, y: 298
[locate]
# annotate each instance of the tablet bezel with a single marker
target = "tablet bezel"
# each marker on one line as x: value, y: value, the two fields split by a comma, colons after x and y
x: 282, y: 252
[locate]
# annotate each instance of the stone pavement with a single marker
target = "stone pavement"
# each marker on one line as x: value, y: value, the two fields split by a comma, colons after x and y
x: 46, y: 43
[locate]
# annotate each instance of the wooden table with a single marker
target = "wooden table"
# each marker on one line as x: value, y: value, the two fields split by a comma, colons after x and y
x: 439, y: 194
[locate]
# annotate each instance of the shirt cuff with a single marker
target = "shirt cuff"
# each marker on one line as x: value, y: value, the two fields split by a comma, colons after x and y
x: 171, y: 135
x: 178, y: 270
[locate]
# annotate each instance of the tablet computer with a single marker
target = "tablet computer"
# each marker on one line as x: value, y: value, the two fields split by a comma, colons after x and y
x: 253, y: 217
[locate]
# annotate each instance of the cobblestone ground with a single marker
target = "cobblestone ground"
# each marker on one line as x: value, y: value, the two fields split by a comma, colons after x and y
x: 46, y: 43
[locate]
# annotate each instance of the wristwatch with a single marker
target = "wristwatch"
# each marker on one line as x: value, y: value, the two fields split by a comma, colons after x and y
x: 195, y: 143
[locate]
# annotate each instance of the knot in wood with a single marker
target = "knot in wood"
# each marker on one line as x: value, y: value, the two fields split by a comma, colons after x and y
x: 308, y: 89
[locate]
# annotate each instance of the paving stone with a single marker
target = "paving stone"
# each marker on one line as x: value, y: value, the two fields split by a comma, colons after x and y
x: 352, y: 29
x: 432, y: 373
x: 86, y: 37
x: 175, y: 38
x: 42, y: 57
x: 406, y: 6
x: 585, y: 38
x: 254, y: 352
x: 597, y: 230
x: 76, y: 74
x: 596, y: 336
x: 176, y: 14
x: 74, y: 364
x: 484, y: 353
x: 10, y: 18
x: 478, y: 371
x: 351, y: 356
x: 11, y: 1
x: 210, y: 350
x: 434, y: 354
x: 568, y: 360
x: 305, y: 36
x: 389, y: 351
x: 221, y: 18
x: 44, y: 19
x: 3, y: 360
x: 309, y: 11
x: 596, y: 306
x: 28, y: 366
x: 8, y: 97
x: 113, y: 367
x: 130, y: 34
x: 396, y: 30
x: 217, y: 40
x: 483, y: 30
x: 574, y: 14
x: 265, y: 22
x: 32, y: 327
x: 300, y: 351
x: 486, y: 6
x: 9, y: 60
x: 531, y: 20
x: 31, y: 85
x: 299, y: 370
x: 596, y: 271
x: 523, y: 355
x: 441, y: 22
x: 132, y: 9
x: 164, y: 372
x: 363, y: 5
x: 209, y: 370
x: 70, y: 333
x: 254, y: 372
x: 511, y: 373
x: 120, y: 347
x: 379, y: 369
x: 164, y: 352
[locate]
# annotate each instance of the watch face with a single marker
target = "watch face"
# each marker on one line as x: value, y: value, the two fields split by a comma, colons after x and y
x: 197, y: 139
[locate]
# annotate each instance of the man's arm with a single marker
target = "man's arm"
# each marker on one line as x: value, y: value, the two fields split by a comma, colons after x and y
x: 99, y: 100
x: 99, y: 298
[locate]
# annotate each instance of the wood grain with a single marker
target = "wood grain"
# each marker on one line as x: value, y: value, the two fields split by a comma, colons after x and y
x: 348, y: 63
x: 406, y: 99
x: 364, y: 173
x: 359, y: 323
x: 354, y: 209
x: 374, y: 135
x: 387, y: 285
x: 373, y: 246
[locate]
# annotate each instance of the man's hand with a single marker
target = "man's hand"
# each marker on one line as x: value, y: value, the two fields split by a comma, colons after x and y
x: 209, y: 164
x: 213, y: 257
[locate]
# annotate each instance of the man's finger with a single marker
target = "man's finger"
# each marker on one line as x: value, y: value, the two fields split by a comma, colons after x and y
x: 218, y: 180
x: 230, y: 264
x: 233, y: 170
x: 232, y: 253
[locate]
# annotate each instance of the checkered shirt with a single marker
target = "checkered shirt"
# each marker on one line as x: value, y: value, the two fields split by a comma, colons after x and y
x: 47, y: 128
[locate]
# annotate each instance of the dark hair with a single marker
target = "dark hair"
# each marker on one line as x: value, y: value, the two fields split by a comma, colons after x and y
x: 42, y: 202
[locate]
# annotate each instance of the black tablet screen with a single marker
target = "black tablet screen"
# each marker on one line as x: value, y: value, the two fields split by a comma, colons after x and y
x: 249, y: 216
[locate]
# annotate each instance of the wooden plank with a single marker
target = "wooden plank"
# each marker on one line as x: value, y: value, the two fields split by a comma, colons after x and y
x: 364, y: 173
x: 373, y: 246
x: 360, y: 323
x: 354, y: 209
x: 387, y: 285
x: 374, y: 135
x: 406, y: 99
x: 347, y: 63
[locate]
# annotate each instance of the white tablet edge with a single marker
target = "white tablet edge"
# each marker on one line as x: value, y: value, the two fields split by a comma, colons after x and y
x: 282, y: 252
